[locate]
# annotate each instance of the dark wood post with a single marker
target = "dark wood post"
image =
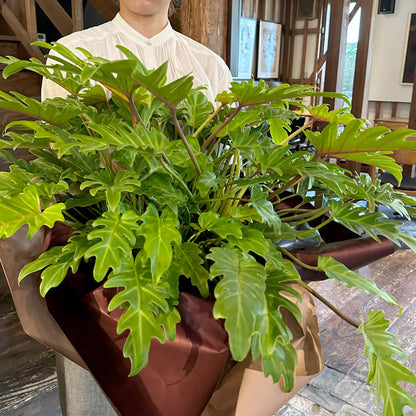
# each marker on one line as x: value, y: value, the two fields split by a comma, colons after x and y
x: 336, y: 48
x: 206, y: 22
x: 362, y: 65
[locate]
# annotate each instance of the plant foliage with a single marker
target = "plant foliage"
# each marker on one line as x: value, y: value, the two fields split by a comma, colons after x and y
x: 159, y: 185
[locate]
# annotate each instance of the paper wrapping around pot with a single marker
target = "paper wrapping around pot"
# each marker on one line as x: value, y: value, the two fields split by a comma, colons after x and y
x: 245, y: 391
x: 171, y: 383
x: 180, y: 376
x: 36, y: 320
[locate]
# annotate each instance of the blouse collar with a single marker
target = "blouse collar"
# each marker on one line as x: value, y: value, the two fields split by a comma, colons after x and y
x: 137, y: 37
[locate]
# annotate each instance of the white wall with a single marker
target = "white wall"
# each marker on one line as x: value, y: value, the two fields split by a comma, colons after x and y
x: 389, y: 44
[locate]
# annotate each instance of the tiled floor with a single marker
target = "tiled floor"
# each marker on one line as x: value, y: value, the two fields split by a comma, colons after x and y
x: 27, y: 370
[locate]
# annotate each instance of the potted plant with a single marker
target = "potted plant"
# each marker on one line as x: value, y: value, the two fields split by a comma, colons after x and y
x: 159, y: 187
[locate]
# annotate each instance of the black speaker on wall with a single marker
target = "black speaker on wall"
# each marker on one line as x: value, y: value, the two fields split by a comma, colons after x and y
x: 386, y: 6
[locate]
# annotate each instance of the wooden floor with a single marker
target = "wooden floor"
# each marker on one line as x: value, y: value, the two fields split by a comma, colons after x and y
x: 28, y: 385
x: 27, y: 369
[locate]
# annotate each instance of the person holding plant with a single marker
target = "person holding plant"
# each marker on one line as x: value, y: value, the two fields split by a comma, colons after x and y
x: 143, y: 27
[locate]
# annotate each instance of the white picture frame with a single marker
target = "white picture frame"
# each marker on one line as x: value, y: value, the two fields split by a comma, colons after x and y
x: 247, y: 47
x: 270, y: 39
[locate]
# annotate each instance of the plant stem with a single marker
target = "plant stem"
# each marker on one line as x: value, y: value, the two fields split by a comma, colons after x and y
x: 214, y: 134
x: 299, y: 130
x: 326, y: 302
x: 305, y: 217
x: 296, y: 260
x: 293, y: 182
x: 184, y: 141
x: 208, y: 120
x: 134, y: 113
x: 177, y: 177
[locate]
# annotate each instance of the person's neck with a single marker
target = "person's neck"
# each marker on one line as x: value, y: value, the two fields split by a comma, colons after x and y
x: 148, y: 26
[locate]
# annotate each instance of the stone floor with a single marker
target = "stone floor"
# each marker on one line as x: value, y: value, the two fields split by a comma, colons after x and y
x: 340, y: 389
x: 27, y: 370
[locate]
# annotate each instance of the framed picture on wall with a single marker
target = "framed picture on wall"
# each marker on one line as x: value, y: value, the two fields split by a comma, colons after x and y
x: 247, y: 46
x: 270, y: 39
x: 410, y: 52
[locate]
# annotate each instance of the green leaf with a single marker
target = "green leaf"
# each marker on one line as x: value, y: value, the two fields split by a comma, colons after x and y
x: 274, y: 341
x: 47, y: 110
x: 245, y: 213
x: 357, y: 219
x: 386, y: 372
x: 197, y: 109
x: 279, y: 130
x: 265, y: 208
x: 244, y: 139
x: 124, y: 181
x: 189, y: 258
x: 118, y: 135
x: 55, y: 264
x: 240, y: 296
x: 143, y: 303
x: 322, y: 112
x: 15, y: 181
x: 160, y: 190
x: 159, y: 233
x: 279, y: 357
x: 45, y: 259
x: 282, y: 362
x: 116, y: 236
x: 223, y: 226
x: 251, y: 240
x: 241, y: 120
x: 338, y: 271
x: 25, y: 208
x: 272, y: 159
x: 369, y: 145
x: 207, y: 181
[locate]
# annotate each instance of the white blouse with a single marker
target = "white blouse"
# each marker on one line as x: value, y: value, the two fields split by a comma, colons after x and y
x: 184, y: 55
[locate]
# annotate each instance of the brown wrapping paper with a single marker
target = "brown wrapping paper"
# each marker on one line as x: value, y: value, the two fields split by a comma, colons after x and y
x: 36, y: 320
x: 180, y: 376
x: 245, y: 391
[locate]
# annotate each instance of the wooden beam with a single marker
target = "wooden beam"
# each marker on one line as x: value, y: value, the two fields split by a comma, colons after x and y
x: 310, y: 31
x: 218, y: 27
x: 31, y: 25
x: 107, y: 9
x: 9, y: 38
x: 57, y: 15
x: 20, y: 32
x: 291, y: 50
x: 286, y: 40
x: 194, y: 18
x: 354, y: 11
x: 77, y: 7
x: 359, y: 104
x: 304, y: 47
x: 336, y: 49
x: 25, y: 82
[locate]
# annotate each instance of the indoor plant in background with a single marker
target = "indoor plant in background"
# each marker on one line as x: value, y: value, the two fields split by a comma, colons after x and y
x: 159, y: 187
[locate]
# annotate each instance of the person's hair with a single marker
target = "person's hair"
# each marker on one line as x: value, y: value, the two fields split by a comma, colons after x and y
x: 172, y: 5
